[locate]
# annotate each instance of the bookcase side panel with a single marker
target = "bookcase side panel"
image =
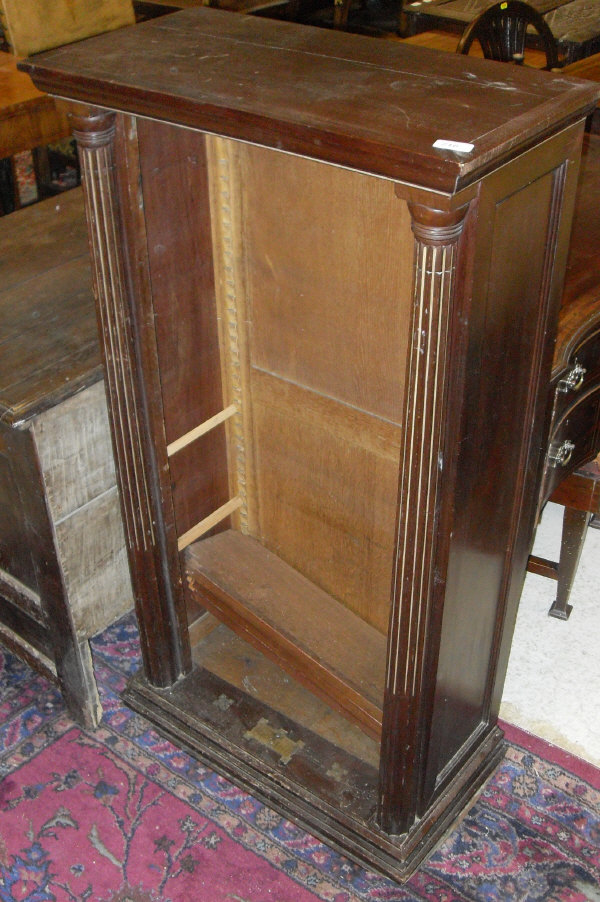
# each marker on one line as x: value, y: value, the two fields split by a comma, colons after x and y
x: 515, y: 297
x: 180, y: 259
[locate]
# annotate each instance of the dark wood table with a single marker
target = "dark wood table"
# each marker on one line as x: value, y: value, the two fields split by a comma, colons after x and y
x: 441, y: 39
x: 576, y: 27
x: 574, y: 23
x: 461, y: 12
x: 578, y: 343
x: 572, y: 477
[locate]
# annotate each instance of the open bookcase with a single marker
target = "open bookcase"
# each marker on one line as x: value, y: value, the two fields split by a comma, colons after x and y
x: 327, y: 346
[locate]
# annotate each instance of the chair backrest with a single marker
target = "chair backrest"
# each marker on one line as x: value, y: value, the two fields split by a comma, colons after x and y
x: 501, y: 30
x: 34, y: 25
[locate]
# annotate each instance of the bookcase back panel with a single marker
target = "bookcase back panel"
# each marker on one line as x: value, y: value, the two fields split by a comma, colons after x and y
x: 329, y: 259
x: 314, y: 268
x: 199, y: 479
x: 326, y: 500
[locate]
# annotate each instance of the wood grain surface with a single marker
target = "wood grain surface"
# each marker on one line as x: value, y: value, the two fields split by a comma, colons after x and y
x: 49, y: 341
x: 372, y: 105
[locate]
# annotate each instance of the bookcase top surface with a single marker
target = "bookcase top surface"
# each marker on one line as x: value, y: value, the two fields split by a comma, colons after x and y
x: 374, y: 105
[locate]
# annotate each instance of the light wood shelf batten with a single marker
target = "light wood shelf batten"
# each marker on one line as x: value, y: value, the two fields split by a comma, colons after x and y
x: 205, y: 525
x: 202, y: 429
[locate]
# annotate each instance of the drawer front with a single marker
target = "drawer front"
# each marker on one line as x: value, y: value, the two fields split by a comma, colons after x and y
x: 582, y: 374
x: 575, y: 439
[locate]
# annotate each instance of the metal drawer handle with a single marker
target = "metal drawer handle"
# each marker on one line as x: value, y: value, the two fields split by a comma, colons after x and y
x: 560, y: 456
x: 573, y: 380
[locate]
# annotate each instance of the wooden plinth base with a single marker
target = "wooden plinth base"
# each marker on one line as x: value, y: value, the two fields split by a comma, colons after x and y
x: 308, y: 779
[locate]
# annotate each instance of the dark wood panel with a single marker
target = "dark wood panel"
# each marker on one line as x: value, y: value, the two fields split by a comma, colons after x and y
x: 31, y: 630
x: 24, y: 532
x: 44, y: 577
x: 504, y: 334
x: 15, y: 552
x: 199, y: 479
x: 582, y: 277
x: 180, y: 262
x: 173, y: 167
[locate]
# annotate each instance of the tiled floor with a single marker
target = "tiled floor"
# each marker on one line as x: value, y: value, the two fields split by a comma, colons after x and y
x: 553, y: 682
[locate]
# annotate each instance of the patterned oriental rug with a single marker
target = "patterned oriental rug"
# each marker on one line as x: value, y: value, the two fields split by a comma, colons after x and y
x: 121, y: 815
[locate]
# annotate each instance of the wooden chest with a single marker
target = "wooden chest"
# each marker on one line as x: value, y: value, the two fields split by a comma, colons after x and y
x: 63, y: 563
x: 328, y: 339
x: 575, y: 384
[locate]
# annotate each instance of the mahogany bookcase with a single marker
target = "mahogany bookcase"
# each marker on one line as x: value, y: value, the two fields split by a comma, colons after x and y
x: 327, y: 341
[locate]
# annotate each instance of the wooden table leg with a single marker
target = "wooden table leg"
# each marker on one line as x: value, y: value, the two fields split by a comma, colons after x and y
x: 575, y: 524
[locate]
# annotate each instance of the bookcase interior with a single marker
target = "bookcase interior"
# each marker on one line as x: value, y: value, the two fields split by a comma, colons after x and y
x: 310, y: 322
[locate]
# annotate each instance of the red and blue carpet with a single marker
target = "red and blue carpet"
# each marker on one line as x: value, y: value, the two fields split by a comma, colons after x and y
x: 120, y: 815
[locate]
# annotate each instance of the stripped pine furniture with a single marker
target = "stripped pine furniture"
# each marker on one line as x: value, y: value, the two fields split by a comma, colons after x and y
x: 33, y: 25
x: 29, y: 119
x: 63, y: 564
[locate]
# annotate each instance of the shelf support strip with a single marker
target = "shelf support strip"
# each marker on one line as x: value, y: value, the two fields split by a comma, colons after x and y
x: 202, y: 429
x: 204, y: 525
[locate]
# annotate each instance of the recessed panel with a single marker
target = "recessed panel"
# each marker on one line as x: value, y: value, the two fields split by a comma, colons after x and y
x: 329, y: 263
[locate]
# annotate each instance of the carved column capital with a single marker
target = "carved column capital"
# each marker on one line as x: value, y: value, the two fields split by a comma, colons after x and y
x: 94, y: 128
x: 437, y: 227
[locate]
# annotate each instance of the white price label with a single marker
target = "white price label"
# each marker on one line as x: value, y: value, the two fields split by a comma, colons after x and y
x: 458, y: 146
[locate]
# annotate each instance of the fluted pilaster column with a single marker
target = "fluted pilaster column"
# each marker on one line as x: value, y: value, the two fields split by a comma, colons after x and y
x: 120, y: 313
x: 95, y: 138
x: 437, y: 236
